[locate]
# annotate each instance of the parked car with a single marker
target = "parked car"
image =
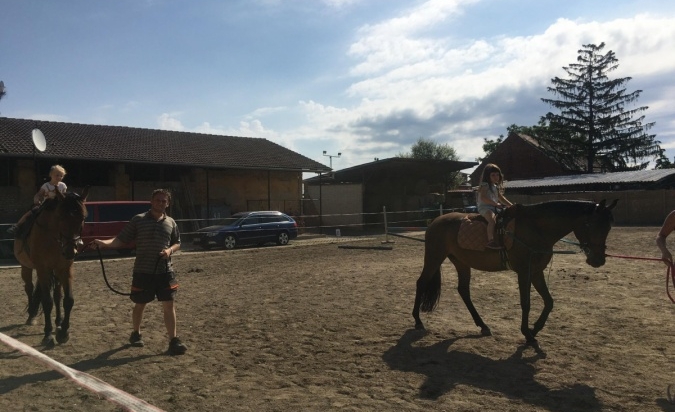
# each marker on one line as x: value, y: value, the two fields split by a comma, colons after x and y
x: 248, y: 228
x: 105, y: 219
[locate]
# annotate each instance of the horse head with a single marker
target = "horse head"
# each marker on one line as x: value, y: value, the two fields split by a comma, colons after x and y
x: 592, y: 230
x: 71, y: 213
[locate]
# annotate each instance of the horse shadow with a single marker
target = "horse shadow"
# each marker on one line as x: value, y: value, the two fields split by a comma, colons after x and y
x: 11, y: 383
x: 513, y: 377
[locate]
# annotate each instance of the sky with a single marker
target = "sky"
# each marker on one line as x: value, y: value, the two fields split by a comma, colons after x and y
x: 362, y: 78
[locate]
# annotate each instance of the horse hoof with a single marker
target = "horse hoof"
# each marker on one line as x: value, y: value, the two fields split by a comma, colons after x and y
x: 30, y: 321
x: 62, y: 336
x: 419, y: 326
x: 48, y: 341
x: 486, y: 332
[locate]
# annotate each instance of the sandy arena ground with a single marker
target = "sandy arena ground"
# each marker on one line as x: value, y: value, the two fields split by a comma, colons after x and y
x: 314, y: 327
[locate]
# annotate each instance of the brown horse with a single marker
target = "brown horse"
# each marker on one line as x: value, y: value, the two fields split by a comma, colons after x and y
x: 537, y: 228
x: 49, y: 248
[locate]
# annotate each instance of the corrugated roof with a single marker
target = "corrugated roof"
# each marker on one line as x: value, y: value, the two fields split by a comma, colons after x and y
x: 136, y: 145
x: 637, y: 176
x: 422, y: 168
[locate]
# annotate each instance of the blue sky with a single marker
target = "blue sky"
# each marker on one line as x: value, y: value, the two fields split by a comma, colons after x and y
x: 365, y: 78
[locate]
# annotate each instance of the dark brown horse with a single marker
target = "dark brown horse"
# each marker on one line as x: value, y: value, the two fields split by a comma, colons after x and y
x: 49, y: 248
x: 537, y: 228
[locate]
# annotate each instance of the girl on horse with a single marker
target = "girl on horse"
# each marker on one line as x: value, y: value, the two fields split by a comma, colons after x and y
x: 490, y: 198
x: 47, y: 191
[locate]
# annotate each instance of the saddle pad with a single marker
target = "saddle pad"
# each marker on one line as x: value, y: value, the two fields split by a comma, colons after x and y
x: 473, y: 234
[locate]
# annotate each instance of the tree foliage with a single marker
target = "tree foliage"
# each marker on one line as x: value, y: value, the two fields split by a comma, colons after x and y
x: 489, y: 146
x: 593, y: 123
x: 428, y: 149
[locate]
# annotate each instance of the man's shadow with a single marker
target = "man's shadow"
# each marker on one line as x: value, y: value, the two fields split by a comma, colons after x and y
x: 10, y: 383
x: 513, y: 377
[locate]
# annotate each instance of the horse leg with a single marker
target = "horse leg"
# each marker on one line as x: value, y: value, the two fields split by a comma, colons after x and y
x: 464, y: 289
x: 524, y: 288
x: 63, y: 334
x: 58, y: 297
x: 29, y: 288
x: 539, y: 283
x: 45, y: 286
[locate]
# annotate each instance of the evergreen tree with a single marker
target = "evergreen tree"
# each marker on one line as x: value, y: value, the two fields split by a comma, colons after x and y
x: 593, y: 123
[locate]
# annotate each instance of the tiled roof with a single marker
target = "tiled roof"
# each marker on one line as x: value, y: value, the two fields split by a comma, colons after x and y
x: 136, y: 145
x: 646, y: 177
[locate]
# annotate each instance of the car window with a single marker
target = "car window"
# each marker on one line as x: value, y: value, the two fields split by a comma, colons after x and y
x: 120, y: 212
x: 251, y: 220
x: 230, y: 221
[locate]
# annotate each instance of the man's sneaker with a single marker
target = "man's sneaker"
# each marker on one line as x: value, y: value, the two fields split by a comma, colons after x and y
x: 136, y: 340
x: 493, y: 245
x: 176, y: 347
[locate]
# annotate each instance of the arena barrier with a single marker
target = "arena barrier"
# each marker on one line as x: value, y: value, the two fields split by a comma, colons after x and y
x: 126, y: 401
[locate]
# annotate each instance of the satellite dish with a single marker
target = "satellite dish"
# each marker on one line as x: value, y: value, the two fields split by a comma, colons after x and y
x: 39, y: 140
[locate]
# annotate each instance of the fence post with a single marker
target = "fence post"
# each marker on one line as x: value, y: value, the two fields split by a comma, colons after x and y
x: 386, y: 227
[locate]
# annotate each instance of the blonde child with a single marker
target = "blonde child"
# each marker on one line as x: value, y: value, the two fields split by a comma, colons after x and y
x: 490, y: 198
x: 47, y: 191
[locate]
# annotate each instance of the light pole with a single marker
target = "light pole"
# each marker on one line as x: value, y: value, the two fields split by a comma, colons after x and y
x: 331, y: 157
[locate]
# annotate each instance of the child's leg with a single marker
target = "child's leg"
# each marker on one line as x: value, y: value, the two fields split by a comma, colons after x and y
x: 24, y: 217
x: 490, y: 217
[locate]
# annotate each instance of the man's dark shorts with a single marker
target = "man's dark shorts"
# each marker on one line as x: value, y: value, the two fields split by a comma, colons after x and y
x: 144, y: 287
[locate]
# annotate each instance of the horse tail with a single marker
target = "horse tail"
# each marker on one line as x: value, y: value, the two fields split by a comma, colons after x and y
x: 431, y: 293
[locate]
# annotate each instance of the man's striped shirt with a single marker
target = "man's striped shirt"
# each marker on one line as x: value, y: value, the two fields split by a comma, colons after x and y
x: 151, y: 236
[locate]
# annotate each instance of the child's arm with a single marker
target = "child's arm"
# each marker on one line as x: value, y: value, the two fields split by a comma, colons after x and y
x: 504, y: 200
x: 39, y: 196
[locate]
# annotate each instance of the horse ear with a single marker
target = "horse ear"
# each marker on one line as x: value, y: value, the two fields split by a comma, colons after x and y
x: 613, y: 204
x: 602, y: 203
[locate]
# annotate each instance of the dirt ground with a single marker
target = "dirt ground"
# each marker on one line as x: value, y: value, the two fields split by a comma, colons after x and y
x: 311, y: 326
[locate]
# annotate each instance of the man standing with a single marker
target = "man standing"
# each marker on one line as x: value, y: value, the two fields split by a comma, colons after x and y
x: 157, y: 238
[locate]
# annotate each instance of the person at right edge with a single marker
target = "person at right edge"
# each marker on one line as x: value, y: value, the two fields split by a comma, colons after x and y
x: 666, y: 229
x: 490, y: 198
x: 157, y: 238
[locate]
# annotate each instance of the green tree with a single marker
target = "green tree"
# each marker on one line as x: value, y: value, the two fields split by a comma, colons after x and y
x: 662, y: 162
x: 593, y: 123
x: 489, y: 146
x: 428, y: 149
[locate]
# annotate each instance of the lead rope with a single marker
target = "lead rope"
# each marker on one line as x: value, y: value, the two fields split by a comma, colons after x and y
x: 670, y: 271
x: 100, y: 259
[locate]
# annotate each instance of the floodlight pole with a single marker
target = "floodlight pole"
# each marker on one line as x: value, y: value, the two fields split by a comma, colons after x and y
x: 331, y: 157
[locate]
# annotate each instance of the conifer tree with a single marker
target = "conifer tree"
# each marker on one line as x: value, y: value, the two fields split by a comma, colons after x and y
x: 594, y: 123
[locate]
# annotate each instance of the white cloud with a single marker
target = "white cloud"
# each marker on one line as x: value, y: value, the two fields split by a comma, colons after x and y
x: 168, y: 121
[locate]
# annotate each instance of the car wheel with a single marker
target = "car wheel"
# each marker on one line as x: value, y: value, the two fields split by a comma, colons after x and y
x: 229, y: 242
x: 282, y: 238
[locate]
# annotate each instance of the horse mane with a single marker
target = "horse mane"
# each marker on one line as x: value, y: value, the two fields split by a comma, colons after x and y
x: 555, y: 207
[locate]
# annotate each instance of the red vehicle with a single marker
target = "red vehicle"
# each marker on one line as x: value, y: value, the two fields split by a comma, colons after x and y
x: 106, y: 219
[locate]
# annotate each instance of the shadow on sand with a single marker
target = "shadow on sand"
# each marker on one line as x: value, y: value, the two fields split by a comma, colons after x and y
x: 10, y: 383
x: 513, y: 377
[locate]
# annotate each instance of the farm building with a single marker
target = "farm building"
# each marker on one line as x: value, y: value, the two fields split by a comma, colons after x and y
x: 210, y: 176
x: 356, y: 196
